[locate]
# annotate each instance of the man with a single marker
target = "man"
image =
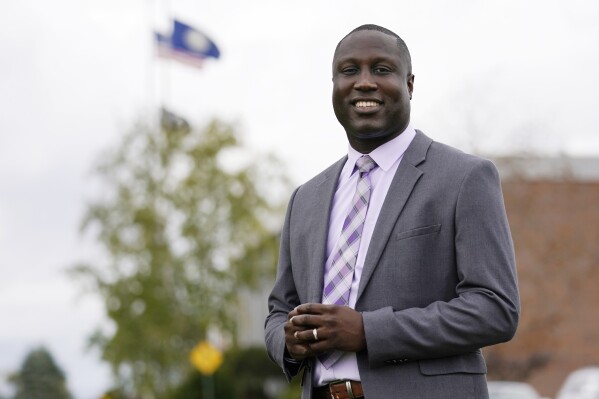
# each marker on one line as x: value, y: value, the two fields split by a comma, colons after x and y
x: 396, y: 263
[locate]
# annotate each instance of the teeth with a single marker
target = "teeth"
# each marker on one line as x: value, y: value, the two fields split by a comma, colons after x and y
x: 366, y: 104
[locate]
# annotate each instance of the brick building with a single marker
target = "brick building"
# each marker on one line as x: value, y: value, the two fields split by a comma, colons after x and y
x: 553, y: 209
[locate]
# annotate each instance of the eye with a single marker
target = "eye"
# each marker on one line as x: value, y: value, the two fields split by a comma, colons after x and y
x: 381, y: 70
x: 349, y: 70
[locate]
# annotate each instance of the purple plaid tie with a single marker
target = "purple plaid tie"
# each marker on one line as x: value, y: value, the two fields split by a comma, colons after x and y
x: 337, y: 282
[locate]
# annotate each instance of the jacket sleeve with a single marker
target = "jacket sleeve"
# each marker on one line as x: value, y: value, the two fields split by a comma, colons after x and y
x: 281, y: 301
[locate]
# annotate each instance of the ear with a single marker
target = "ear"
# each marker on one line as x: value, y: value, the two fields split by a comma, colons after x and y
x: 411, y: 85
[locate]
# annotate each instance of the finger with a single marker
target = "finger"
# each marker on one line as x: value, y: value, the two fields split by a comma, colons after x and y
x: 300, y: 351
x: 292, y: 313
x: 316, y: 308
x: 317, y: 348
x: 296, y: 322
x: 311, y: 308
x: 305, y: 321
x: 309, y: 337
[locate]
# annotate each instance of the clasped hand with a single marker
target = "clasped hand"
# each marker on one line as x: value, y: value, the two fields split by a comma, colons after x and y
x: 337, y: 328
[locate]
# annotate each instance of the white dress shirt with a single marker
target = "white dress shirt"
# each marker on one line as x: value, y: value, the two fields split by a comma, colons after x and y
x: 387, y: 157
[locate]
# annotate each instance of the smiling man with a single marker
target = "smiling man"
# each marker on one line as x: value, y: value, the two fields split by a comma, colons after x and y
x: 372, y: 88
x: 396, y: 263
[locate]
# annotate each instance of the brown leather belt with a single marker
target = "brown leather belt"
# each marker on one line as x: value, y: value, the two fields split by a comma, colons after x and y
x: 343, y: 389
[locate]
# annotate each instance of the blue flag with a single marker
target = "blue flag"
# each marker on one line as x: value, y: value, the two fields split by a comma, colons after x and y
x: 186, y: 44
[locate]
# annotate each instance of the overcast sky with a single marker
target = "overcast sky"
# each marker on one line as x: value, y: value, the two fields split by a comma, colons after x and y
x: 495, y: 77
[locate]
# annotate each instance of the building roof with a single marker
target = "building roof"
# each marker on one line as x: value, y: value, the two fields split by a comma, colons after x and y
x: 548, y: 168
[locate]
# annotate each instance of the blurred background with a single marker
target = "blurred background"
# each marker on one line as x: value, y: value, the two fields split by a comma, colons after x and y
x: 141, y: 192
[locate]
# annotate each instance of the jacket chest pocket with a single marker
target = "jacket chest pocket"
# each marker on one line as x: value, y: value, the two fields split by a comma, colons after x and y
x: 420, y: 231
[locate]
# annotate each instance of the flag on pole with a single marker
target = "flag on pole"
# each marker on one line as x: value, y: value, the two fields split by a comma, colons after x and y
x: 186, y: 44
x: 170, y: 121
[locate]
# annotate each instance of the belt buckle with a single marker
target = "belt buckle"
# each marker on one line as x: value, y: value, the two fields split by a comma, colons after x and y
x: 350, y: 392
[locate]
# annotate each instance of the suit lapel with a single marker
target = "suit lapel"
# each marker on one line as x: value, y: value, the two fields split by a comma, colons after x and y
x: 322, y: 202
x: 404, y: 181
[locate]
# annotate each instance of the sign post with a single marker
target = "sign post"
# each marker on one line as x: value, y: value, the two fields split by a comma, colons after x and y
x: 207, y: 359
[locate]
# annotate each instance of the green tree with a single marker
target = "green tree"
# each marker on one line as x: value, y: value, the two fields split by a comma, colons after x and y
x: 40, y: 378
x: 184, y: 223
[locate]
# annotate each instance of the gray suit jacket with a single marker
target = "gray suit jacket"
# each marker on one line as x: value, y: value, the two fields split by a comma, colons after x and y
x: 439, y: 279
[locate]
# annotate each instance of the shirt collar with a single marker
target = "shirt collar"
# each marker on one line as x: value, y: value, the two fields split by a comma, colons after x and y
x: 387, y: 154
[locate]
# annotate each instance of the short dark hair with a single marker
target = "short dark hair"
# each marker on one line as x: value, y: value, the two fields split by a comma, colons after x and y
x: 403, y: 48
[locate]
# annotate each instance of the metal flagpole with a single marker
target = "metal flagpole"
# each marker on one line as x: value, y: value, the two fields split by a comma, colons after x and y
x: 160, y: 76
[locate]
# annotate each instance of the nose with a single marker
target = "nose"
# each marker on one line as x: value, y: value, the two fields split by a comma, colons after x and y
x: 365, y: 81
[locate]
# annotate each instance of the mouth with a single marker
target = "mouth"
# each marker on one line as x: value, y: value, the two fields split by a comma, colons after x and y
x: 366, y: 105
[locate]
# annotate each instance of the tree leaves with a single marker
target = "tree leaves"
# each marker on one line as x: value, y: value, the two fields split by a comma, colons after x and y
x: 181, y: 233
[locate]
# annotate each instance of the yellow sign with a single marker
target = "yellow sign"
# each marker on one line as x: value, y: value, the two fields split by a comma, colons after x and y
x: 206, y: 358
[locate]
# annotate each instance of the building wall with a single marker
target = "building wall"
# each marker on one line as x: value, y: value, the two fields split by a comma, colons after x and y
x: 555, y: 227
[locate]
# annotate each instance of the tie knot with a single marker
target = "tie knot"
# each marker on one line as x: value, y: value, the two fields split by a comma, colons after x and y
x: 365, y: 164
